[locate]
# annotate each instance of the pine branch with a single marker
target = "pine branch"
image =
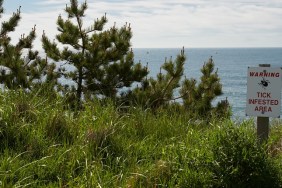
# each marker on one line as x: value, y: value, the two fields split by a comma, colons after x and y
x: 168, y: 84
x: 1, y: 8
x: 9, y: 26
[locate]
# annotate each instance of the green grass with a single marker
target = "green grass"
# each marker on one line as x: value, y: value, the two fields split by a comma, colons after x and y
x: 45, y: 145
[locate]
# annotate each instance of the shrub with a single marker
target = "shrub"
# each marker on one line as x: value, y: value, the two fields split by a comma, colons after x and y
x: 240, y: 160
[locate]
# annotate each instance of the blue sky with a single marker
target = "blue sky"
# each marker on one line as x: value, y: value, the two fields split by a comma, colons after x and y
x: 168, y: 23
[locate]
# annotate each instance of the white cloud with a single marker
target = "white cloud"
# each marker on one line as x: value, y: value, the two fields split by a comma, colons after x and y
x: 166, y: 23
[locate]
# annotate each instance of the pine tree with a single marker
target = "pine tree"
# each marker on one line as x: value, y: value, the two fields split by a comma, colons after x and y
x: 159, y: 91
x: 197, y: 99
x: 192, y: 97
x: 101, y: 60
x: 21, y: 67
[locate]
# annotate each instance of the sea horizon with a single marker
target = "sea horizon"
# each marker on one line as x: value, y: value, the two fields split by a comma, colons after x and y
x: 260, y: 47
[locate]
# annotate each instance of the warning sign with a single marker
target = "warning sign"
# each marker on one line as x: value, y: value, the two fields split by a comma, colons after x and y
x: 264, y: 91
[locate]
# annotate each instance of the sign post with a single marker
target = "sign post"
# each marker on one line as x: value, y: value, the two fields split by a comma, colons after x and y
x: 263, y: 96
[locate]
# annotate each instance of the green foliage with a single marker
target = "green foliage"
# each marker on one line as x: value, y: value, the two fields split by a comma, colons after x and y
x: 21, y: 67
x: 101, y: 60
x: 97, y: 63
x: 45, y: 145
x: 58, y: 129
x: 197, y: 98
x: 158, y: 92
x: 240, y: 160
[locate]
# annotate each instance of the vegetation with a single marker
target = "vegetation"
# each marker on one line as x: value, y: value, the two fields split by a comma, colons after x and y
x: 196, y: 99
x: 44, y: 145
x: 21, y: 67
x: 99, y: 61
x: 141, y: 138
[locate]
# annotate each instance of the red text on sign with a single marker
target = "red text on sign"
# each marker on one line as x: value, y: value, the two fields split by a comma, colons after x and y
x: 263, y: 102
x: 263, y: 95
x: 264, y: 74
x: 263, y: 109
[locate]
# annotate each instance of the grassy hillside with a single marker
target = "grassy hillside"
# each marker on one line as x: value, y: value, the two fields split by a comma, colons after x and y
x: 45, y: 145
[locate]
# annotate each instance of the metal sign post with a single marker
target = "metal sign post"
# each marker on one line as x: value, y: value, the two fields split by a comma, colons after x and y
x: 263, y: 122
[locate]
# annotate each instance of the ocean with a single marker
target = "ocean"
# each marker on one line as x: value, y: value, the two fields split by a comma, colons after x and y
x: 232, y: 65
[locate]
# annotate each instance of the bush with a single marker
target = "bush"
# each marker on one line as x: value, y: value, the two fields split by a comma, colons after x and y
x: 240, y: 160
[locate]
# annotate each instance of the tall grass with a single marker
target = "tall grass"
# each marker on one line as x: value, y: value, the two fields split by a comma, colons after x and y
x: 43, y: 144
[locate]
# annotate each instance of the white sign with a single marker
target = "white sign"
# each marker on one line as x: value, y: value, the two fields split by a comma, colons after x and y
x: 264, y: 91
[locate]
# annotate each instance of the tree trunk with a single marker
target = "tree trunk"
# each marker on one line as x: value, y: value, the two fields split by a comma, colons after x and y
x: 79, y: 88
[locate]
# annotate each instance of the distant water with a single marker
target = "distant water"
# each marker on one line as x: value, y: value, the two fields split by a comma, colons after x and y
x: 232, y: 64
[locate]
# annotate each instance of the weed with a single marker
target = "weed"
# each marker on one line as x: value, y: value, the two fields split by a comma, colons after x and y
x: 239, y: 159
x: 44, y: 144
